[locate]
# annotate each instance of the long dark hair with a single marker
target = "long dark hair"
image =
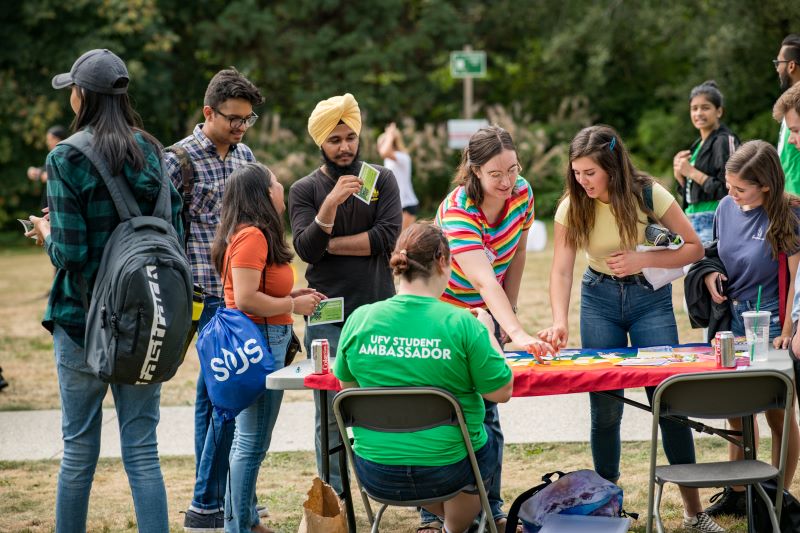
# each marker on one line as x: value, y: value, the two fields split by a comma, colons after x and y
x: 757, y: 162
x: 114, y: 122
x: 604, y: 146
x: 247, y: 201
x: 483, y: 145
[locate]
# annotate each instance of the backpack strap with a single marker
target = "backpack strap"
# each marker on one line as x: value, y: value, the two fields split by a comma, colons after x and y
x: 513, y: 513
x: 121, y: 195
x: 187, y: 177
x: 647, y: 196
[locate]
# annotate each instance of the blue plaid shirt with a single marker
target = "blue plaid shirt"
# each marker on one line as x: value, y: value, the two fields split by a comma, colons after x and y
x: 210, y: 175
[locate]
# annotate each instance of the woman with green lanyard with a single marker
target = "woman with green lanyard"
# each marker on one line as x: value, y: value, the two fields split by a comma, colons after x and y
x: 700, y: 170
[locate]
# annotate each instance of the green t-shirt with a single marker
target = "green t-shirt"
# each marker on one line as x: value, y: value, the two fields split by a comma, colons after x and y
x: 699, y: 207
x: 790, y: 160
x: 418, y: 341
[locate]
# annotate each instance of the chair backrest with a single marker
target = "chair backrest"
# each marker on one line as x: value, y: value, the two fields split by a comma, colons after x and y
x: 398, y: 409
x: 402, y: 410
x: 723, y: 394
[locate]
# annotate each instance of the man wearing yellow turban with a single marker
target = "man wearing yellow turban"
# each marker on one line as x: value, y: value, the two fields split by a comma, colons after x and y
x: 330, y: 113
x: 345, y: 241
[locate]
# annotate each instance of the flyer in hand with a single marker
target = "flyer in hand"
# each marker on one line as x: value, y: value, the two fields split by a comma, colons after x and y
x: 369, y: 177
x: 327, y: 312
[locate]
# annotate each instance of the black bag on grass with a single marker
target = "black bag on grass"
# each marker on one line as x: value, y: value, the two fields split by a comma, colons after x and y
x: 790, y: 510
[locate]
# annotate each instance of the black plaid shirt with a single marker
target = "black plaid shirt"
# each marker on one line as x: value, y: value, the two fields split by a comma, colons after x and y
x: 82, y: 217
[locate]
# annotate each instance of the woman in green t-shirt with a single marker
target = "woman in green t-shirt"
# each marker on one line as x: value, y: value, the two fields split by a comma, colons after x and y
x: 700, y: 170
x: 415, y: 340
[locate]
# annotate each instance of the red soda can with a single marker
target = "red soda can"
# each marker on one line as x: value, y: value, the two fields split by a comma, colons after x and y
x: 717, y: 349
x: 320, y: 355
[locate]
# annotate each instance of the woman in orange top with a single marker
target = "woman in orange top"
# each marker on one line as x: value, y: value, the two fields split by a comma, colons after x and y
x: 251, y: 253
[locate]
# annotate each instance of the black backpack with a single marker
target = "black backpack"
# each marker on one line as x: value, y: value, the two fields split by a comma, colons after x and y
x: 790, y: 510
x: 141, y: 303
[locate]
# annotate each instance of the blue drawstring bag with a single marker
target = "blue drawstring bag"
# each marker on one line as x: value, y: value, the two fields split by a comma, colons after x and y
x: 235, y: 360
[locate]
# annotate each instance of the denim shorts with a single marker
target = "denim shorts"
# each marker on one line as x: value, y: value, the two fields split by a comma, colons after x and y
x: 740, y: 306
x: 399, y: 482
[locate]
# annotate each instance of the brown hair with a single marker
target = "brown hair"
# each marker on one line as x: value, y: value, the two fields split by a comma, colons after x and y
x: 757, y: 162
x: 247, y: 201
x: 604, y: 146
x: 418, y: 250
x: 788, y: 100
x: 483, y: 145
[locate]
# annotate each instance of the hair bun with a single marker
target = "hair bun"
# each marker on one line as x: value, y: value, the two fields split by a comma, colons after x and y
x: 399, y: 262
x: 711, y: 83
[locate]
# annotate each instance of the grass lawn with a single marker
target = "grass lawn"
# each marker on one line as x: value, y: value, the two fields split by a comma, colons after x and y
x: 27, y: 489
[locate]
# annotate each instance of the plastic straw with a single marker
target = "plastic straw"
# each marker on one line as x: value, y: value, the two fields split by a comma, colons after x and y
x: 755, y: 326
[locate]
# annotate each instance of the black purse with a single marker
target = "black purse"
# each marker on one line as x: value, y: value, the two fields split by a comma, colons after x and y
x: 294, y: 347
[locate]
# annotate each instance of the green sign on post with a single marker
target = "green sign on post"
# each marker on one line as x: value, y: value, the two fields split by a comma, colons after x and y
x: 468, y: 64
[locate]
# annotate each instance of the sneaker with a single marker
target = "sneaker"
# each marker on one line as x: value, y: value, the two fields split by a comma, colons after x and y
x: 262, y: 511
x: 195, y: 522
x: 728, y: 502
x: 702, y: 522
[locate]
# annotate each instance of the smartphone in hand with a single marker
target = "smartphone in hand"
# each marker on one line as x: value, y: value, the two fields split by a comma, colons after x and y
x: 28, y: 225
x: 720, y: 286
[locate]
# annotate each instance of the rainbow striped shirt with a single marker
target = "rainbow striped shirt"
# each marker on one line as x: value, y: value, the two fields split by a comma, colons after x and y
x: 467, y: 229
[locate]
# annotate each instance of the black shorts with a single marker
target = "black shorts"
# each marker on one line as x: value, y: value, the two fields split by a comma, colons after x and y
x: 411, y: 210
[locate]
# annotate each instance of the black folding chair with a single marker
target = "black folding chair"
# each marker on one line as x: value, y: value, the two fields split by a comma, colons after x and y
x: 720, y: 395
x: 403, y: 410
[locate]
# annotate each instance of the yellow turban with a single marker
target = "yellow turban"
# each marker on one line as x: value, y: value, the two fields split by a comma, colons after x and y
x: 328, y: 113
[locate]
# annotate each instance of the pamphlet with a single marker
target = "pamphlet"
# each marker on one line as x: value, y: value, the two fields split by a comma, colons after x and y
x: 369, y: 177
x: 643, y: 362
x: 327, y: 312
x: 654, y: 352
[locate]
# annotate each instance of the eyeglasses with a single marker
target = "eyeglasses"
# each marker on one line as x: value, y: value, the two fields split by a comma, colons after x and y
x: 237, y: 122
x: 776, y: 62
x: 498, y: 175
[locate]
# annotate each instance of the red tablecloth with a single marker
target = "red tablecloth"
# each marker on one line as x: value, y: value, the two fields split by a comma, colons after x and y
x: 543, y: 380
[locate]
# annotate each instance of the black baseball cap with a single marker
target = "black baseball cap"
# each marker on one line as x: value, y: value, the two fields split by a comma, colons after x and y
x: 98, y: 70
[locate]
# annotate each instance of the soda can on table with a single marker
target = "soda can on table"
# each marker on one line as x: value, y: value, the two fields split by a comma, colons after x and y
x: 725, y: 350
x: 320, y: 354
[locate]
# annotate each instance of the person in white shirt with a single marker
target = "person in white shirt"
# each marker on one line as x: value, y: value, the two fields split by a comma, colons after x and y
x: 395, y: 157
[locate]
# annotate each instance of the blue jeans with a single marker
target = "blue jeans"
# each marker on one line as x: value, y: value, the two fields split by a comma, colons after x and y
x: 397, y: 482
x: 137, y: 409
x: 611, y: 311
x: 251, y: 441
x: 212, y: 438
x: 332, y: 333
x: 740, y: 306
x: 703, y: 224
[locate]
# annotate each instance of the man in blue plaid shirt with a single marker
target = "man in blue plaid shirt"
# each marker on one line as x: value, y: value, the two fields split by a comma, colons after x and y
x: 215, y: 151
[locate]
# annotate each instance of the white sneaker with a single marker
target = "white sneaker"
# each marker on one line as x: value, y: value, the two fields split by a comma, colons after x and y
x: 702, y: 522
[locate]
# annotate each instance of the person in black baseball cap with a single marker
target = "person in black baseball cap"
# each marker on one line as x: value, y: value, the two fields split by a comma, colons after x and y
x: 98, y: 70
x: 81, y: 219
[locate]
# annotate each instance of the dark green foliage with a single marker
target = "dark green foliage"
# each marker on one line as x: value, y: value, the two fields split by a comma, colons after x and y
x: 627, y: 63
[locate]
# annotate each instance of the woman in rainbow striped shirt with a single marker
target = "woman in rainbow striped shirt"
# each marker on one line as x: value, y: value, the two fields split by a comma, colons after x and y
x: 486, y: 220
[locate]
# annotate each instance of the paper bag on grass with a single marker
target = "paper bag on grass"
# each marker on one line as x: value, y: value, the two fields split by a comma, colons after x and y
x: 323, y: 511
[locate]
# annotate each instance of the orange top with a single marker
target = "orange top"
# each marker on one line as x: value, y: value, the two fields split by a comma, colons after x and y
x: 248, y: 249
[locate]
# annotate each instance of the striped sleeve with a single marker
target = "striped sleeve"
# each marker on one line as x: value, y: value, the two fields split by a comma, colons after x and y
x: 529, y: 211
x: 462, y: 229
